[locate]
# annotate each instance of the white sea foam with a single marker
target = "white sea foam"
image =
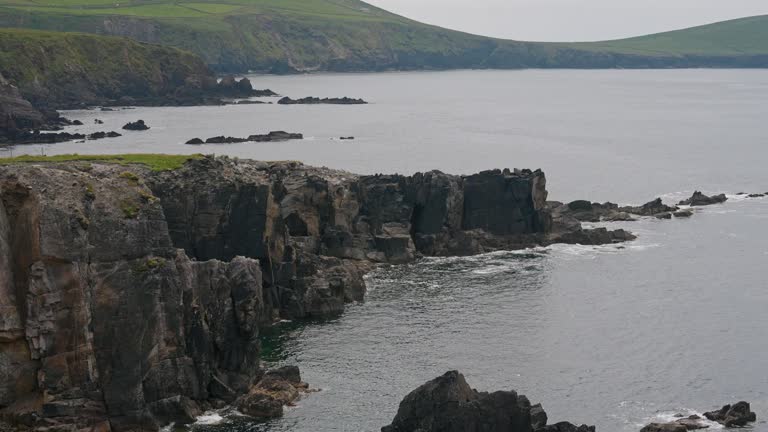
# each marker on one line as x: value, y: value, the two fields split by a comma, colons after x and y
x: 209, y: 418
x: 670, y: 416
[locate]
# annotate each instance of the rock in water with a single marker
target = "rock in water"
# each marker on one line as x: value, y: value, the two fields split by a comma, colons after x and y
x: 138, y: 125
x: 196, y: 141
x: 278, y: 388
x: 317, y: 101
x: 699, y: 199
x: 664, y: 427
x: 449, y: 404
x: 736, y: 415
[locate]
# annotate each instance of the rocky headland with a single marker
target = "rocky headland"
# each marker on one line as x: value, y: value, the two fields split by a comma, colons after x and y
x: 133, y: 295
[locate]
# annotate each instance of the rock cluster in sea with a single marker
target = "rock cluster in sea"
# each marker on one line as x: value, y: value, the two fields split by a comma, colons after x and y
x: 271, y: 136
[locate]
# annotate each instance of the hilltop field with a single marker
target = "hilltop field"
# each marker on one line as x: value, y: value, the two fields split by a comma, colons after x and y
x: 348, y: 35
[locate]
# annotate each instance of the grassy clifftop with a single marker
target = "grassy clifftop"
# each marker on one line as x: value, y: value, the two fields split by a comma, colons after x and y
x: 65, y: 69
x: 344, y: 35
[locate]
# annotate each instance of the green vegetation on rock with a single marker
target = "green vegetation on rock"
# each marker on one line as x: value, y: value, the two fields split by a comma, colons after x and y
x: 64, y: 69
x: 345, y: 35
x: 156, y: 162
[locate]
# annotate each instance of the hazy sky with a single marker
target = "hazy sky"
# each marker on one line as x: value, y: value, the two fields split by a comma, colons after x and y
x: 571, y: 20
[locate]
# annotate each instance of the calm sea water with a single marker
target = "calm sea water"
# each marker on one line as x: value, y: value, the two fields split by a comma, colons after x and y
x: 612, y: 336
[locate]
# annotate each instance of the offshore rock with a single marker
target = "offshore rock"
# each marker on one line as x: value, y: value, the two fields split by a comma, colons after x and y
x: 138, y: 125
x: 699, y: 199
x: 317, y: 101
x: 736, y: 415
x: 448, y: 404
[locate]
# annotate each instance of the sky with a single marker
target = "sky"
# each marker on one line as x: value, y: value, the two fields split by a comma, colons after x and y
x: 571, y: 20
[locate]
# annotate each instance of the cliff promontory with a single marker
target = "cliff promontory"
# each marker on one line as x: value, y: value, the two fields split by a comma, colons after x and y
x: 133, y: 295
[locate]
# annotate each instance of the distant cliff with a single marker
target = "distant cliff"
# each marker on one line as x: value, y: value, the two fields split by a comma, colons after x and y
x: 64, y: 70
x: 131, y: 297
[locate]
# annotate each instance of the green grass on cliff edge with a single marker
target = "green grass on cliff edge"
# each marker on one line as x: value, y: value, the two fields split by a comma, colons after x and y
x: 156, y: 162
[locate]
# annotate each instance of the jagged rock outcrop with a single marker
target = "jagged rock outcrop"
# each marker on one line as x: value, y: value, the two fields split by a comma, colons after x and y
x: 447, y: 404
x: 131, y: 298
x: 736, y: 415
x: 699, y: 199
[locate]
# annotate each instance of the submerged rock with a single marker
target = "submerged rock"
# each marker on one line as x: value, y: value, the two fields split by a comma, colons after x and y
x: 449, y: 404
x: 102, y: 135
x: 138, y: 125
x: 699, y: 199
x: 195, y: 141
x: 685, y: 213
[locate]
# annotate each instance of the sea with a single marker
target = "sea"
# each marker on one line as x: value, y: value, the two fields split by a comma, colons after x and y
x: 616, y: 336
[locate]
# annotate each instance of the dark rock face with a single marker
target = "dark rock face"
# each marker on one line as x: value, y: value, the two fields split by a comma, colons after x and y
x: 736, y: 415
x: 699, y: 199
x: 138, y: 125
x: 448, y: 404
x: 317, y: 101
x: 138, y: 335
x: 167, y: 324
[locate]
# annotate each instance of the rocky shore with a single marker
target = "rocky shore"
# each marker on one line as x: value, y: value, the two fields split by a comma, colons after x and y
x: 133, y: 297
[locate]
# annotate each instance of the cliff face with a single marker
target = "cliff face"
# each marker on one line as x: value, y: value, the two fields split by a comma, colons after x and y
x: 132, y: 298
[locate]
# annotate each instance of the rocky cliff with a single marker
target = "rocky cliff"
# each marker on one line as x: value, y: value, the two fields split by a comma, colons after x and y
x: 132, y: 298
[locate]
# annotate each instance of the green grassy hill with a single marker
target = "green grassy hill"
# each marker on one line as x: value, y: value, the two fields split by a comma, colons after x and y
x: 348, y: 35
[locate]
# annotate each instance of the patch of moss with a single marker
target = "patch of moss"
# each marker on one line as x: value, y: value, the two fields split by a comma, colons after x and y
x: 156, y: 162
x: 89, y: 191
x: 131, y: 177
x: 149, y: 264
x: 130, y: 209
x: 147, y: 196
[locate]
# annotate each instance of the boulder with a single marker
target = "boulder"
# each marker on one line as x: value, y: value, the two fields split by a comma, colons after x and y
x: 277, y: 388
x: 448, y: 404
x: 195, y: 141
x: 665, y: 215
x: 685, y: 213
x: 699, y: 199
x: 138, y: 125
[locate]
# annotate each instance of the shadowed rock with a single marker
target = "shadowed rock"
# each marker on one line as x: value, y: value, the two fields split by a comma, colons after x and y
x: 138, y: 125
x: 449, y: 404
